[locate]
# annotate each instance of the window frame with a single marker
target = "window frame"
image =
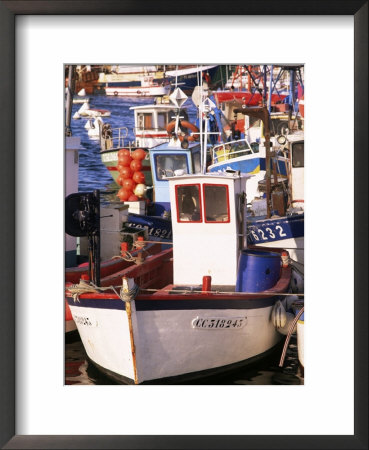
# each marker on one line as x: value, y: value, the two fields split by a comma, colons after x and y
x: 293, y: 158
x: 198, y: 185
x: 166, y: 154
x: 228, y: 205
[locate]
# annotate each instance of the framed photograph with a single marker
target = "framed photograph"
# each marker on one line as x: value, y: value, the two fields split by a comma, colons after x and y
x: 39, y: 42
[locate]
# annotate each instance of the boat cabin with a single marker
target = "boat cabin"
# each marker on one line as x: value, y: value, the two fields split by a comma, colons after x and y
x: 208, y: 226
x: 168, y: 160
x: 296, y: 146
x: 151, y: 123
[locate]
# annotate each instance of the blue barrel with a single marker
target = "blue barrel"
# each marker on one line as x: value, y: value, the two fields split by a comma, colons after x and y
x: 257, y: 270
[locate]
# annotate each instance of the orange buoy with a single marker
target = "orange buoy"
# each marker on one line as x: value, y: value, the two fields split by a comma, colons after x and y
x: 138, y: 177
x: 124, y: 194
x: 139, y: 154
x: 124, y: 160
x: 136, y: 165
x: 126, y: 172
x: 123, y: 152
x: 120, y: 179
x: 129, y: 184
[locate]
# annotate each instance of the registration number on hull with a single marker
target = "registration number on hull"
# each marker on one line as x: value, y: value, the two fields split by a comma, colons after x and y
x: 82, y: 320
x: 216, y: 323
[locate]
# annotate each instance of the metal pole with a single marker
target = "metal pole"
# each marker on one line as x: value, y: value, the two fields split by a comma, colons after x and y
x: 267, y: 163
x: 270, y: 89
x: 96, y: 238
x: 265, y: 84
x: 68, y: 114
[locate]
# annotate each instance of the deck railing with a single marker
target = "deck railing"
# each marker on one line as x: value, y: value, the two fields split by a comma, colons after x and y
x: 230, y: 150
x: 113, y: 138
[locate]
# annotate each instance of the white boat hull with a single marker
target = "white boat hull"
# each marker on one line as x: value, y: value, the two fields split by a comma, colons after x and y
x: 167, y: 344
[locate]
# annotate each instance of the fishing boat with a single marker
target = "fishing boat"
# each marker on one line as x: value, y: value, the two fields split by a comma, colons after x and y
x: 86, y: 111
x: 276, y: 192
x: 147, y: 88
x: 150, y: 130
x: 115, y: 228
x: 120, y: 76
x: 200, y: 308
x: 187, y: 77
x: 283, y: 225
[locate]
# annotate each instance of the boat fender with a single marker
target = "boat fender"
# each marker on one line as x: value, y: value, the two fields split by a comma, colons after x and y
x: 279, y: 317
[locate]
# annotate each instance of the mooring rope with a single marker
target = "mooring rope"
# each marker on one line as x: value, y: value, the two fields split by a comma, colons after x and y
x: 290, y: 331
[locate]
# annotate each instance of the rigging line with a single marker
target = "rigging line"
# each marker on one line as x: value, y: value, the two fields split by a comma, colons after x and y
x: 290, y: 331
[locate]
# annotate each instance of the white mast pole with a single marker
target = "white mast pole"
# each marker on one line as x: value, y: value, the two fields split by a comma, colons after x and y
x: 200, y: 122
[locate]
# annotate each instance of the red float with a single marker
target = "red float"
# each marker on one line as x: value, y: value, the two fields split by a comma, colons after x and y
x: 124, y: 160
x: 124, y: 194
x: 123, y: 152
x: 138, y: 177
x: 133, y: 198
x: 129, y: 184
x: 139, y: 154
x: 126, y: 172
x: 120, y: 180
x: 136, y: 165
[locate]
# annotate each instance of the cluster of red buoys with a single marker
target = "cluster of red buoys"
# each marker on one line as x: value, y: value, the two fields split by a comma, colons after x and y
x: 130, y: 175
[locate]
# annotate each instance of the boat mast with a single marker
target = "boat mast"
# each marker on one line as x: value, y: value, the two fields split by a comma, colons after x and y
x: 270, y: 89
x: 200, y: 123
x: 262, y: 114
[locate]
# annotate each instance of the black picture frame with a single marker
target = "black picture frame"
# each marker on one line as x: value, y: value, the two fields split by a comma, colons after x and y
x: 8, y: 11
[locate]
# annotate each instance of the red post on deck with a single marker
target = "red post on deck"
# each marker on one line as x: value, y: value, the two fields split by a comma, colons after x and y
x: 206, y: 283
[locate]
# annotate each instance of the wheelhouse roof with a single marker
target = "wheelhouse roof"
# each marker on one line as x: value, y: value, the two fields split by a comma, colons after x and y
x: 159, y: 106
x: 212, y: 175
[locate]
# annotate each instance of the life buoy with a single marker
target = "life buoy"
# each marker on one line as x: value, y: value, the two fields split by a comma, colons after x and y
x: 188, y: 126
x: 115, y: 93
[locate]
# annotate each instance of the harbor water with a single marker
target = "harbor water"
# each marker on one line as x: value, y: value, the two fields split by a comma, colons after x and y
x: 94, y: 175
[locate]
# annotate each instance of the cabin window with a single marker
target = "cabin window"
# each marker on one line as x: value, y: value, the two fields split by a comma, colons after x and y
x: 162, y: 121
x: 145, y: 121
x: 216, y: 203
x: 196, y: 162
x: 188, y: 203
x: 298, y: 154
x: 166, y: 165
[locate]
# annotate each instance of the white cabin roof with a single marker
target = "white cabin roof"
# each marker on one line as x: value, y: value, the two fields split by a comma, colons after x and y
x: 212, y: 175
x: 163, y: 107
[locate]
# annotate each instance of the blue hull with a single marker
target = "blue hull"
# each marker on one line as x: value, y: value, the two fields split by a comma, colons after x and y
x: 251, y: 166
x: 158, y: 227
x: 272, y: 230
